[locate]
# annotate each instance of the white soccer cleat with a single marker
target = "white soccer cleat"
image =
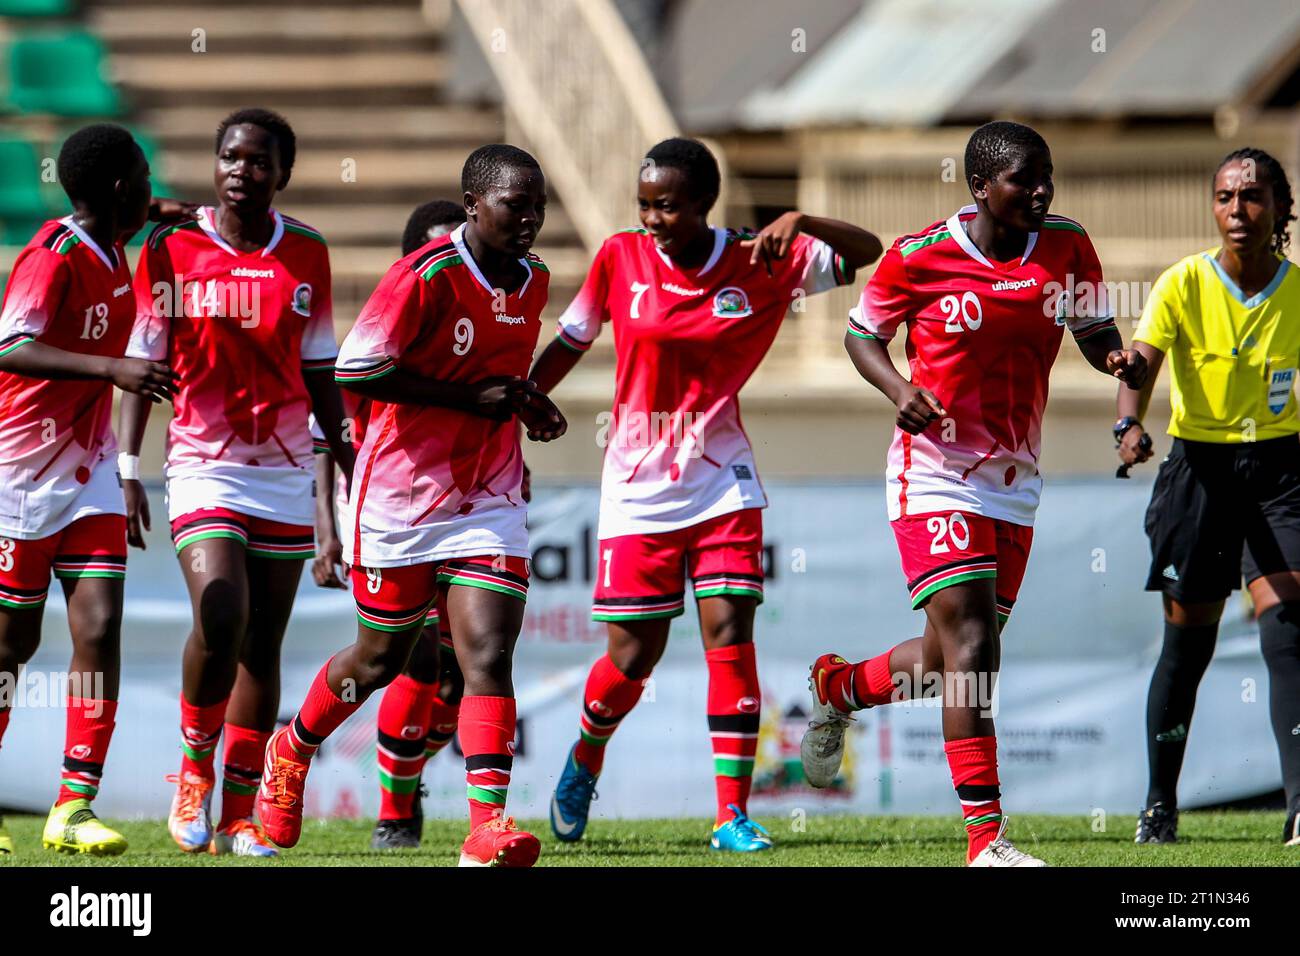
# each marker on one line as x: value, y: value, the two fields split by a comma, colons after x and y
x: 822, y: 749
x: 1001, y: 852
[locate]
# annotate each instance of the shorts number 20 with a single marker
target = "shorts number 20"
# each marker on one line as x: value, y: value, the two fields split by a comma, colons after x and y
x: 953, y: 527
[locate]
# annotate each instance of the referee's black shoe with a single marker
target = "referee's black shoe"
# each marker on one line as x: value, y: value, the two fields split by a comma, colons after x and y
x: 1291, y: 835
x: 1157, y: 824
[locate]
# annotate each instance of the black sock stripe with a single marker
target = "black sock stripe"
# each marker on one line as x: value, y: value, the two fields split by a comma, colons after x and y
x: 401, y: 746
x: 734, y: 723
x: 978, y: 793
x: 73, y: 765
x: 305, y: 735
x: 503, y: 762
x: 600, y: 721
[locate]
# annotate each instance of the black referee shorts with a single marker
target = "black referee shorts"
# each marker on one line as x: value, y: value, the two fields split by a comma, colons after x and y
x: 1221, y: 513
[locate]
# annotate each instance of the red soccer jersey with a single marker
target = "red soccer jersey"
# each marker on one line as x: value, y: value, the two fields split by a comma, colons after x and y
x: 687, y: 340
x: 66, y: 292
x: 982, y: 336
x: 239, y: 329
x: 434, y: 315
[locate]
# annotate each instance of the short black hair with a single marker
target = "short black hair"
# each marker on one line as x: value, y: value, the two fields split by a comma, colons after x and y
x: 439, y: 212
x: 483, y: 167
x: 272, y: 122
x: 998, y: 145
x: 1282, y: 198
x: 698, y: 165
x: 93, y: 158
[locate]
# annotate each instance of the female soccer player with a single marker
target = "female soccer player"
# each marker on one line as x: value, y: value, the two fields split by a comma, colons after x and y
x: 694, y: 308
x: 435, y: 512
x: 986, y: 296
x: 419, y: 709
x: 64, y: 327
x: 1226, y: 502
x: 239, y: 302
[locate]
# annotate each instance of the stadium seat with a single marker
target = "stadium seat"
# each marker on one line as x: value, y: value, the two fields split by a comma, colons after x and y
x: 23, y: 204
x: 60, y: 73
x: 35, y: 8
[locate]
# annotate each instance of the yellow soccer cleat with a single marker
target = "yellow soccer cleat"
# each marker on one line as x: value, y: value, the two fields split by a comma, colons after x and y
x: 6, y: 841
x: 73, y: 828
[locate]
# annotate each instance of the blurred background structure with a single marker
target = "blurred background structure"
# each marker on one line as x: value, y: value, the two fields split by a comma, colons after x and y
x: 842, y: 107
x: 858, y: 109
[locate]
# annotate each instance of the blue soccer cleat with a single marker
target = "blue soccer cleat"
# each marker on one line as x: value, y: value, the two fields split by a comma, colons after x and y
x: 572, y: 800
x: 740, y: 834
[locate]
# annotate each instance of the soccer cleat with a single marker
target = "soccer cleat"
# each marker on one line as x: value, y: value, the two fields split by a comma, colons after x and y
x: 1001, y: 852
x: 6, y: 841
x: 572, y: 800
x: 1157, y: 824
x: 279, y: 797
x: 498, y: 842
x: 822, y: 749
x: 72, y: 827
x: 396, y: 834
x: 242, y: 838
x: 190, y: 819
x: 1290, y: 834
x: 740, y: 834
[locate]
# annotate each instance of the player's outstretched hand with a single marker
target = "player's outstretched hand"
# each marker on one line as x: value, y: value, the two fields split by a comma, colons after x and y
x: 917, y: 407
x: 1127, y: 365
x: 326, y: 565
x: 774, y: 240
x: 162, y: 209
x: 541, y: 419
x: 155, y: 380
x: 137, y: 512
x: 1132, y: 450
x: 499, y: 397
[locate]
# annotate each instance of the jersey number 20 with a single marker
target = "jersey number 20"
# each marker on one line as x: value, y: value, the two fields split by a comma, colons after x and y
x: 957, y: 311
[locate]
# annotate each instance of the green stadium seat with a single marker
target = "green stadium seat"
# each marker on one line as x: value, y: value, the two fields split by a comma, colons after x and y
x: 35, y: 8
x: 23, y: 203
x: 61, y: 73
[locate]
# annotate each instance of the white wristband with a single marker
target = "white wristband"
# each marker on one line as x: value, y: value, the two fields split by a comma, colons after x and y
x: 128, y: 466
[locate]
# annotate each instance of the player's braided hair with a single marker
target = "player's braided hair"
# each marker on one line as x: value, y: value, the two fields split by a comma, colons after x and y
x: 997, y: 145
x: 482, y: 170
x: 272, y: 122
x: 698, y: 165
x: 439, y: 212
x: 1283, y: 201
x: 95, y: 157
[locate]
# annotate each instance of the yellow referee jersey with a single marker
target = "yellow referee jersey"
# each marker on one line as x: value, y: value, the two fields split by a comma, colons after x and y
x: 1232, y: 360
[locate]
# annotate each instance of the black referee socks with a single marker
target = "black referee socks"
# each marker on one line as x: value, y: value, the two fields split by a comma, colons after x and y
x: 1170, y: 701
x: 1279, y: 639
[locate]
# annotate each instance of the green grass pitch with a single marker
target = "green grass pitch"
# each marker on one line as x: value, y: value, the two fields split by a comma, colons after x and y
x: 1236, y: 838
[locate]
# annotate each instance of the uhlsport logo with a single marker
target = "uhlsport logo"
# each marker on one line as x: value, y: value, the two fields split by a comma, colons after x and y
x: 412, y: 732
x: 79, y: 752
x: 302, y: 299
x: 601, y: 708
x: 731, y: 302
x: 747, y: 705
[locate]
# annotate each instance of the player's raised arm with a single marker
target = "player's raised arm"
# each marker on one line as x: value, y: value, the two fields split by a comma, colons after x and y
x: 856, y: 247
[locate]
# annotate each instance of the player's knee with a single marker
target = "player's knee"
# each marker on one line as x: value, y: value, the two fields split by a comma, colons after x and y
x: 223, y: 624
x: 95, y: 627
x: 971, y: 647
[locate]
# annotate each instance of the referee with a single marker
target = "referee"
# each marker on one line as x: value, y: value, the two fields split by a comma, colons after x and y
x: 1226, y: 501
